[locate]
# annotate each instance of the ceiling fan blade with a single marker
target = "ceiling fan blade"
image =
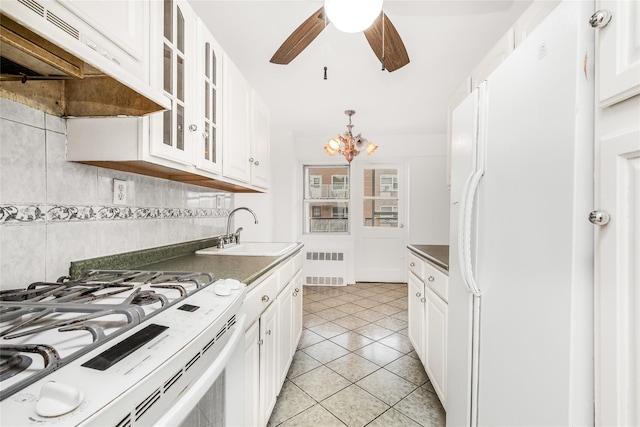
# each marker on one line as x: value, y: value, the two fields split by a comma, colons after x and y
x: 300, y: 38
x: 395, y: 54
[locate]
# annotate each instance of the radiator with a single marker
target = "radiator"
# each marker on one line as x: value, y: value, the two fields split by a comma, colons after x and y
x: 322, y: 268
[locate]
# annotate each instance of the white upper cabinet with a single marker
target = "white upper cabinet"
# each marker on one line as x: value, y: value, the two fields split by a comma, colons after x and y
x: 215, y: 134
x: 174, y: 64
x: 618, y: 64
x: 236, y: 150
x: 209, y: 99
x: 259, y: 159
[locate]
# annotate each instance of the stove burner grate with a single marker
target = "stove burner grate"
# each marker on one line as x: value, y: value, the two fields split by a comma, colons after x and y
x: 12, y: 363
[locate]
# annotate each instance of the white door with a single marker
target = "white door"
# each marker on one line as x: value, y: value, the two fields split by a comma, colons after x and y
x: 379, y: 208
x: 617, y: 192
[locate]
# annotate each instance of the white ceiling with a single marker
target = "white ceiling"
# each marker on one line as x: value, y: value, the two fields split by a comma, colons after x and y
x: 444, y: 39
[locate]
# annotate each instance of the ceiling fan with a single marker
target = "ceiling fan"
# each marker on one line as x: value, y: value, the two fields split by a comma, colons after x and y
x: 381, y: 35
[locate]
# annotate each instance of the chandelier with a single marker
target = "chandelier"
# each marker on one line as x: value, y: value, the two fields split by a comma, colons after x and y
x: 348, y: 145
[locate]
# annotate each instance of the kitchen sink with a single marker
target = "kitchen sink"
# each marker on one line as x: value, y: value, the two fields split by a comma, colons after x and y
x: 251, y: 249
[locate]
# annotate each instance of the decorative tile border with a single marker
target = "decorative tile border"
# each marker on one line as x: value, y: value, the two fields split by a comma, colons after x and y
x: 34, y: 213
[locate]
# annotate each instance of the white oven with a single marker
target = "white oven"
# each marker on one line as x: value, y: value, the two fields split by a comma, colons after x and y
x: 103, y: 355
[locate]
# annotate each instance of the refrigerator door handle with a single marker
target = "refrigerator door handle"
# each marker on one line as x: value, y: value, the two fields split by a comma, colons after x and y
x: 464, y: 236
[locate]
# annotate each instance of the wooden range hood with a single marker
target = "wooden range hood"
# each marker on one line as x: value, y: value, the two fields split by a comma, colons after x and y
x: 42, y: 75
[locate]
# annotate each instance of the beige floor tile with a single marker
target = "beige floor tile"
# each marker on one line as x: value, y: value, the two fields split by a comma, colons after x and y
x: 302, y: 363
x: 309, y: 338
x: 378, y: 353
x: 409, y: 368
x: 392, y: 323
x: 373, y: 331
x: 353, y: 367
x: 351, y: 322
x: 310, y: 320
x: 351, y: 340
x: 423, y: 407
x: 331, y: 314
x: 328, y: 330
x: 316, y: 416
x: 291, y: 401
x: 393, y: 418
x: 386, y: 386
x: 354, y: 406
x: 350, y: 308
x: 321, y: 383
x: 398, y: 342
x: 387, y: 309
x: 370, y: 315
x: 325, y: 351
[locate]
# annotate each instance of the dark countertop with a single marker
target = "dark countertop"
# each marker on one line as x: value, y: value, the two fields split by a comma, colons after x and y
x: 182, y: 257
x: 246, y: 269
x: 438, y: 254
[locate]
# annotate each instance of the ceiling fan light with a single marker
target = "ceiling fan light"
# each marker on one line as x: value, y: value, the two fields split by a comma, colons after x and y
x: 352, y: 16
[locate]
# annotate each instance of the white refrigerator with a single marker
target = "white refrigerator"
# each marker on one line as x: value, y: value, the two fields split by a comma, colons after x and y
x: 520, y: 322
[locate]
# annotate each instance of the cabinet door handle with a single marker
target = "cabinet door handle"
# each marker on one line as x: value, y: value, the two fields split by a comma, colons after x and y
x: 418, y: 294
x: 413, y: 264
x: 297, y: 290
x: 268, y: 332
x: 257, y: 163
x: 250, y: 159
x: 265, y: 298
x: 295, y: 294
x: 431, y: 278
x: 193, y: 127
x: 260, y: 342
x: 422, y: 300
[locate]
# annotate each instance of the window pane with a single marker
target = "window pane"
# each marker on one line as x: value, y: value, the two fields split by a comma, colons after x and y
x: 207, y: 101
x: 166, y: 127
x: 168, y: 19
x: 207, y: 131
x: 207, y: 60
x: 180, y: 75
x: 180, y: 128
x: 380, y: 183
x: 180, y: 31
x: 380, y: 213
x: 326, y: 199
x: 213, y: 68
x: 327, y: 182
x: 168, y: 76
x: 326, y: 217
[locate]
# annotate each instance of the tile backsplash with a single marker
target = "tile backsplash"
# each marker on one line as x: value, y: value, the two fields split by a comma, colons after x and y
x: 53, y: 211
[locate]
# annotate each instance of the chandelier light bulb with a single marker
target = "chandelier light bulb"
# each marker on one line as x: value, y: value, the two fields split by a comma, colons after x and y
x: 352, y: 16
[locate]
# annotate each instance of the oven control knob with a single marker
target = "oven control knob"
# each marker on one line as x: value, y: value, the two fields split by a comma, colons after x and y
x: 222, y: 290
x: 57, y: 399
x: 232, y: 283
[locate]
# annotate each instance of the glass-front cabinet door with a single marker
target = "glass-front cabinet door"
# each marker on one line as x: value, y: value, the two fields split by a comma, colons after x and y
x: 172, y: 131
x: 209, y: 97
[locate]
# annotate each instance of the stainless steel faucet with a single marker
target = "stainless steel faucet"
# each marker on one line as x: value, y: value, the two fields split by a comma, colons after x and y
x: 234, y: 239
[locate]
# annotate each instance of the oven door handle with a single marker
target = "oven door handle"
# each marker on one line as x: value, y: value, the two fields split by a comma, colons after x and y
x: 183, y: 406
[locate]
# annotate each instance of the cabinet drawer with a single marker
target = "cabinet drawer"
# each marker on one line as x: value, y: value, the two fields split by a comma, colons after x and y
x: 416, y: 266
x: 259, y: 297
x: 286, y: 273
x: 436, y: 280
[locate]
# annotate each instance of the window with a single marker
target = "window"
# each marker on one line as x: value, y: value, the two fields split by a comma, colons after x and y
x: 388, y: 183
x: 326, y: 206
x: 380, y: 202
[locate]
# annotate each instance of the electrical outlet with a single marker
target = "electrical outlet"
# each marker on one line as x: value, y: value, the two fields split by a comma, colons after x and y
x: 119, y: 192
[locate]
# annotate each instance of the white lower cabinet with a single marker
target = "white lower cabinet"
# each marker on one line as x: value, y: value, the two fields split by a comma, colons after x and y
x: 427, y: 315
x: 252, y: 374
x: 436, y: 343
x: 416, y: 314
x: 275, y: 320
x: 268, y: 361
x: 285, y: 332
